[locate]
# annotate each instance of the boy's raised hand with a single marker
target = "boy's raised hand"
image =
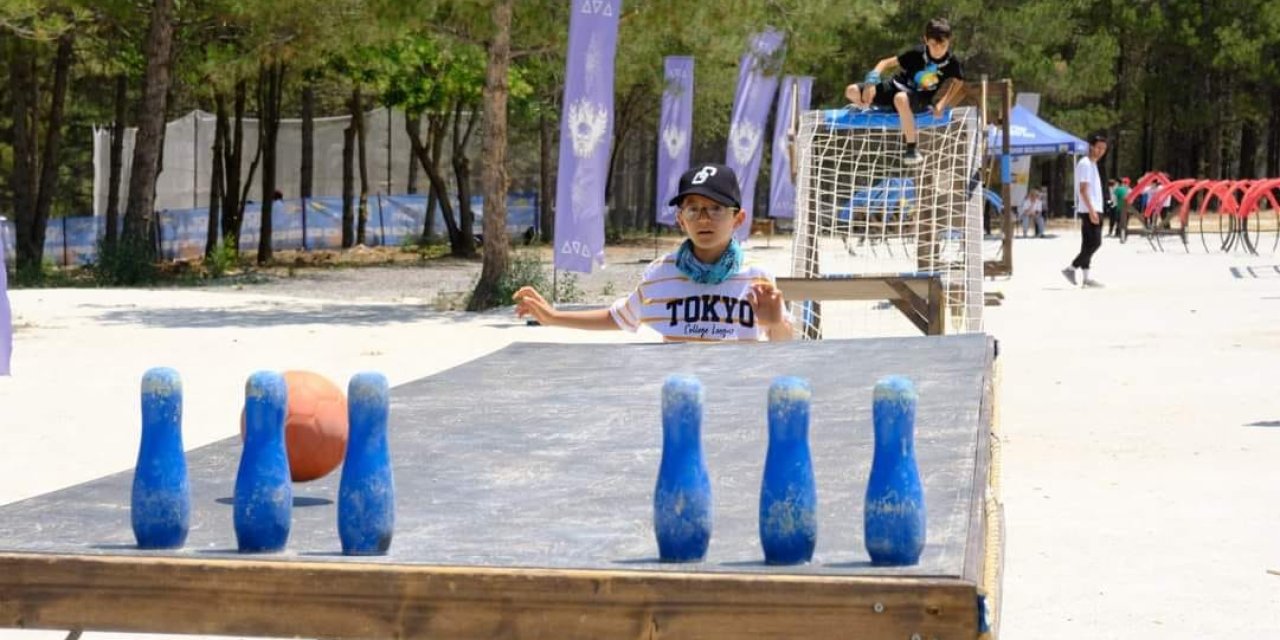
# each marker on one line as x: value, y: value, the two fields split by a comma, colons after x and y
x: 768, y: 303
x: 530, y: 303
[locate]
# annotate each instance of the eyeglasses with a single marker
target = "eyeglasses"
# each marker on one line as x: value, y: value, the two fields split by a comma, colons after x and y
x: 715, y: 212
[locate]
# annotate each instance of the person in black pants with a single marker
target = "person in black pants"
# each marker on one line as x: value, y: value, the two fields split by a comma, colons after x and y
x: 1089, y: 201
x: 1109, y: 205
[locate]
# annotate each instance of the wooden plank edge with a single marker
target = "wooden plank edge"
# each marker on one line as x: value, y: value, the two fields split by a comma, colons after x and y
x: 993, y: 511
x: 851, y: 288
x: 984, y: 549
x: 340, y: 600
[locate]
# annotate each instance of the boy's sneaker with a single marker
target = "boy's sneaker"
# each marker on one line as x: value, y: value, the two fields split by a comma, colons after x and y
x: 1090, y: 283
x: 912, y: 158
x: 1070, y: 274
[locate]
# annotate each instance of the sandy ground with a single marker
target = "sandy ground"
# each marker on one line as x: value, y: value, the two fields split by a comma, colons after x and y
x: 1141, y: 422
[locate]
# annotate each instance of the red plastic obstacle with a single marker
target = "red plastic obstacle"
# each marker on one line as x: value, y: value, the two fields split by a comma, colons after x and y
x: 315, y: 425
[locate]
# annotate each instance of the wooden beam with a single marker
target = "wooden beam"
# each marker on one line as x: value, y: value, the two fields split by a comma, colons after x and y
x: 918, y: 297
x: 994, y: 268
x: 853, y: 288
x: 357, y: 600
x: 914, y: 307
x: 937, y: 307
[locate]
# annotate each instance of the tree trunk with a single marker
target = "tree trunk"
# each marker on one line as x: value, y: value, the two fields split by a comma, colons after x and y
x: 117, y: 161
x: 546, y: 176
x: 24, y: 97
x: 53, y: 136
x: 464, y: 244
x: 1148, y: 133
x: 429, y: 157
x: 417, y: 156
x: 248, y: 181
x: 413, y: 125
x: 216, y: 187
x: 1215, y: 125
x: 348, y: 186
x: 362, y: 161
x: 308, y: 140
x: 1273, y: 135
x: 497, y: 249
x: 1248, y: 149
x: 270, y: 89
x: 233, y: 156
x: 1117, y: 104
x: 139, y: 214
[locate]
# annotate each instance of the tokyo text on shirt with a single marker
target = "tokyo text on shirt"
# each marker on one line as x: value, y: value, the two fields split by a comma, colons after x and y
x: 682, y: 310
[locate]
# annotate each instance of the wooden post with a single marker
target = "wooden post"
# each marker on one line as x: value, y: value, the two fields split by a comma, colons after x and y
x: 1006, y: 189
x: 937, y: 307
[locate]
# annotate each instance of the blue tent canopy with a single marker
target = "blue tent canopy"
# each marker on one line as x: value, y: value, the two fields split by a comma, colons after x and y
x: 1031, y: 136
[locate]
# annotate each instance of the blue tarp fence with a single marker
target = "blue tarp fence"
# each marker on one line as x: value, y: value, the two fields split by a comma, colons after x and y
x: 315, y: 223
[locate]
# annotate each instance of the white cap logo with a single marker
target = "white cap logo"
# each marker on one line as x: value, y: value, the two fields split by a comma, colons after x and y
x: 703, y: 174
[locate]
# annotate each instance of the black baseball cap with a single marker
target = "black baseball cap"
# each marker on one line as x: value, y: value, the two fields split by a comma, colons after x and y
x: 715, y: 181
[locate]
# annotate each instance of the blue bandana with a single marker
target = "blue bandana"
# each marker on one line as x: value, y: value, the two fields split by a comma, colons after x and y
x: 702, y: 273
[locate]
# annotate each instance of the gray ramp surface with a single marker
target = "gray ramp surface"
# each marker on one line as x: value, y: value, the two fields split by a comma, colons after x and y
x: 546, y: 455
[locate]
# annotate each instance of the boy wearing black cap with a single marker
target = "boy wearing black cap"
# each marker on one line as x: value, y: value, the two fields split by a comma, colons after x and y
x: 704, y: 291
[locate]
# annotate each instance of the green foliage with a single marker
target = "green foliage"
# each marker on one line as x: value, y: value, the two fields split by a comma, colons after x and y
x: 526, y: 270
x: 223, y: 258
x: 46, y: 275
x: 128, y: 263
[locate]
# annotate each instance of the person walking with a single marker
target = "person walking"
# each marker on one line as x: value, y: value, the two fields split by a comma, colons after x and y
x: 1089, y: 202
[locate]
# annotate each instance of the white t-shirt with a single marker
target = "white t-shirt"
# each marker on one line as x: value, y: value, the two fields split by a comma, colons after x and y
x: 1087, y: 172
x: 1032, y: 206
x: 682, y: 310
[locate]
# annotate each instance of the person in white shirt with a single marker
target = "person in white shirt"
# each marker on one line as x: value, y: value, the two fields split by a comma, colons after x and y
x: 1031, y: 212
x: 706, y: 291
x: 1089, y: 209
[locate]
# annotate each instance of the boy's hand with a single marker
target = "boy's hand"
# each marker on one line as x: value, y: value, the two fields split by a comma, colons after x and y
x: 853, y: 94
x: 530, y: 303
x: 937, y: 110
x: 768, y: 303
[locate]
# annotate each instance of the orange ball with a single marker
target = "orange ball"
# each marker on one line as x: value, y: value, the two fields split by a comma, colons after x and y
x: 315, y: 425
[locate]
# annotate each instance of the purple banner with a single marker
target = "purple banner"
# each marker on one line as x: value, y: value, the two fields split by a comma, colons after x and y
x: 586, y: 131
x: 782, y: 189
x: 675, y: 133
x: 6, y: 318
x: 757, y: 82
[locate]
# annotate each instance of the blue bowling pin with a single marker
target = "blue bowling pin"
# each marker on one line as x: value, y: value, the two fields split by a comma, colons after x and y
x: 894, y: 513
x: 788, y: 497
x: 264, y: 493
x: 160, y: 505
x: 367, y: 493
x: 682, y: 498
